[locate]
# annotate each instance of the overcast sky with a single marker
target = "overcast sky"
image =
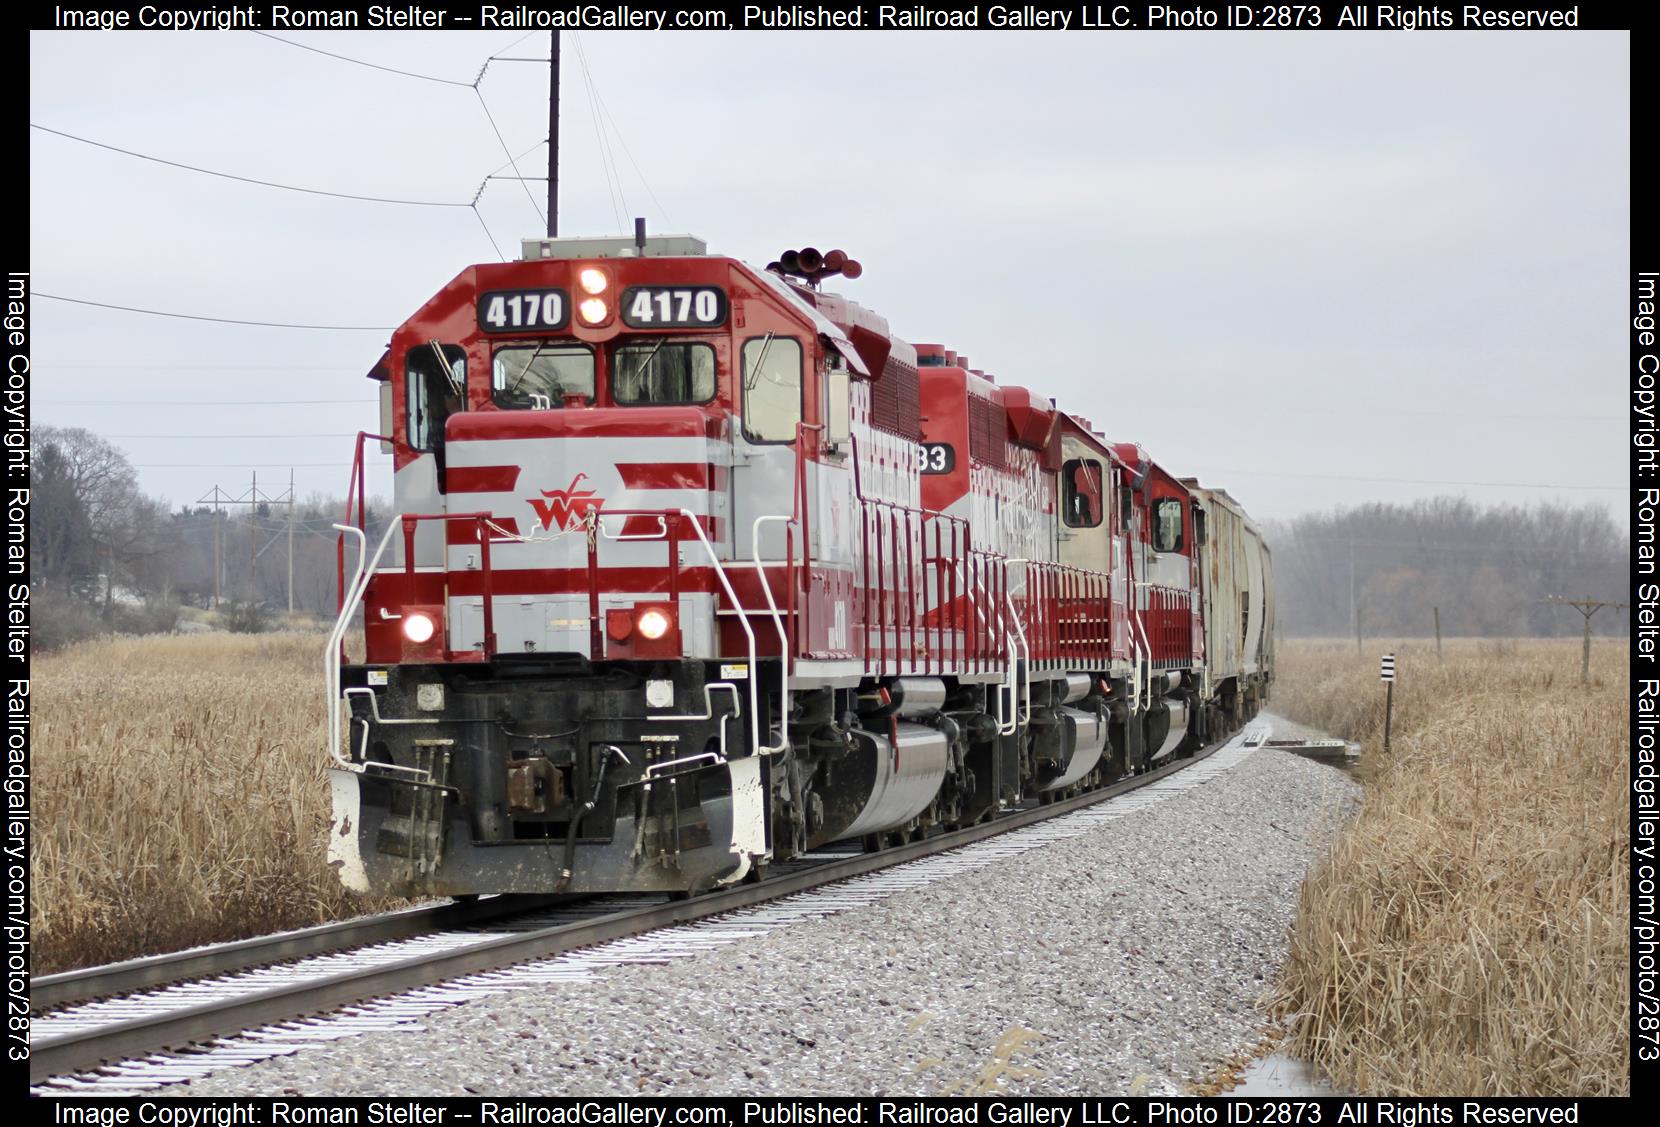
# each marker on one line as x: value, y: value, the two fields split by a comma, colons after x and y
x: 1318, y: 269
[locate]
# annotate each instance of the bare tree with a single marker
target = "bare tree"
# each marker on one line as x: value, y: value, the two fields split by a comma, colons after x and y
x: 87, y: 516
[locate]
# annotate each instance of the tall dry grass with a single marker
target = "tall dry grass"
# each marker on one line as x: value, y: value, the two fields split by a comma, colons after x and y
x: 1470, y: 932
x: 180, y: 795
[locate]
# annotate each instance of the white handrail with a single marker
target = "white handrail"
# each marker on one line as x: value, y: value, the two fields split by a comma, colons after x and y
x: 1020, y: 697
x: 1144, y: 647
x: 709, y: 710
x: 743, y: 620
x: 331, y: 655
x: 778, y: 625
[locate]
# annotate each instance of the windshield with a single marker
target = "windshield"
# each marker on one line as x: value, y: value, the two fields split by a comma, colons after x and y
x: 539, y: 377
x: 663, y: 372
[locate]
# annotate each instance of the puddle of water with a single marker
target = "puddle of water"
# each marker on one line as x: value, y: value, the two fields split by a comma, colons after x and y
x: 1279, y: 1075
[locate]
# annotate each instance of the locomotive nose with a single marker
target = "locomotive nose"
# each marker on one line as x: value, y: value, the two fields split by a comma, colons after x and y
x: 585, y: 506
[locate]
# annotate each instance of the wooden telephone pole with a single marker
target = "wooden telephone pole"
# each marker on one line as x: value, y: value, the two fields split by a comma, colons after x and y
x: 1586, y: 607
x: 553, y: 139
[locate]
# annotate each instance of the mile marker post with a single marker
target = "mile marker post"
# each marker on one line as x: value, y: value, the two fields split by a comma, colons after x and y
x: 1386, y: 671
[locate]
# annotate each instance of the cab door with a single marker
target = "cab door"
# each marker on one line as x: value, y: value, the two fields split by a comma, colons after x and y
x: 1084, y: 493
x: 770, y: 378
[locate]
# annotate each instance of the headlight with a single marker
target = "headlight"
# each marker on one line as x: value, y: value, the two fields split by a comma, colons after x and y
x: 654, y: 624
x: 418, y: 628
x: 592, y: 280
x: 593, y: 310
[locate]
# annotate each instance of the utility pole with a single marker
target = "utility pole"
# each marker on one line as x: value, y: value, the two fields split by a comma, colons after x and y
x: 1354, y: 608
x: 553, y: 139
x: 253, y: 542
x: 221, y: 498
x: 1438, y: 660
x: 216, y: 501
x: 1586, y: 607
x: 291, y: 541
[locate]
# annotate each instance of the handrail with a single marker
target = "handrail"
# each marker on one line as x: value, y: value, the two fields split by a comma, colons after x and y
x: 332, y: 652
x: 1145, y: 646
x: 1021, y: 701
x: 802, y: 513
x: 890, y: 519
x: 357, y: 478
x: 709, y: 710
x: 743, y: 621
x: 784, y: 654
x: 481, y: 522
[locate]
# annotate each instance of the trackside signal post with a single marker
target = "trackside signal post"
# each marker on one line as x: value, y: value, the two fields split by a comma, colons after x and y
x: 1386, y: 671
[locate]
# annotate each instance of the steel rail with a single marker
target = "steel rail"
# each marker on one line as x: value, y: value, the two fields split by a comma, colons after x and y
x: 79, y: 1052
x: 55, y: 991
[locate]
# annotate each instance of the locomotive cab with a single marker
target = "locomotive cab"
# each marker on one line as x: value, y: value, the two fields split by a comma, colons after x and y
x: 597, y: 452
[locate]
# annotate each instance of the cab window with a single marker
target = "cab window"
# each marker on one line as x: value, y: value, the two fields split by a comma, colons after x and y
x: 1167, y: 525
x: 435, y: 387
x: 540, y: 377
x: 1081, y: 493
x: 663, y: 372
x: 772, y: 388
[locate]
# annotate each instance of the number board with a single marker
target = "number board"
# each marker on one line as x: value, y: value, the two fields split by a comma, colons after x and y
x: 673, y: 307
x: 1386, y: 667
x: 936, y: 457
x: 512, y: 311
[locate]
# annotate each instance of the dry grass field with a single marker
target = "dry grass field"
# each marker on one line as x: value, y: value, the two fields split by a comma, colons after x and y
x: 180, y: 795
x: 1470, y: 932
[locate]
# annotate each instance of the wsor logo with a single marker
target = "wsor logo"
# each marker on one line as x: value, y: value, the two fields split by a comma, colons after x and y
x: 566, y: 509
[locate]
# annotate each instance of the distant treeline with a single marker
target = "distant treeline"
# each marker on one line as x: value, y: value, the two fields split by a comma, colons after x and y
x: 104, y: 557
x: 1488, y: 569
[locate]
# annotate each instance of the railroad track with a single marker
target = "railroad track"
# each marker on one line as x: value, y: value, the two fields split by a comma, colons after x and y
x: 108, y: 1023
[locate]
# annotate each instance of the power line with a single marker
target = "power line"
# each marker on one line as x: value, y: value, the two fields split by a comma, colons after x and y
x: 606, y: 162
x: 343, y: 464
x: 191, y: 402
x: 204, y: 437
x: 501, y: 55
x: 473, y: 86
x: 1363, y: 412
x: 219, y: 320
x: 606, y: 110
x: 362, y: 63
x: 510, y: 158
x: 200, y: 367
x: 1416, y: 480
x: 246, y: 179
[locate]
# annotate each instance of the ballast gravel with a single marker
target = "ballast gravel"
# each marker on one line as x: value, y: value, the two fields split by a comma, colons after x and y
x: 1131, y: 960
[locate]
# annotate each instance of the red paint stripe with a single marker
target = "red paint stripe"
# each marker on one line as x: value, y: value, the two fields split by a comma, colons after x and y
x: 464, y: 533
x: 641, y: 526
x: 481, y: 479
x: 630, y: 422
x: 664, y: 475
x: 636, y: 580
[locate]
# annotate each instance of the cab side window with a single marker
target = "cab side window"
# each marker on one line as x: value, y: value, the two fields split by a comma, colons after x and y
x: 1167, y: 525
x: 1081, y: 493
x: 435, y: 387
x: 772, y: 388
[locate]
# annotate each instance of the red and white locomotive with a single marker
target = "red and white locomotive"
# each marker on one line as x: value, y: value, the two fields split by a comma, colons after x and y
x: 697, y: 566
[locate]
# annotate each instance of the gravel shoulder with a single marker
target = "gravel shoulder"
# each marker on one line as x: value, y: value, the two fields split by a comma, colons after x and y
x: 1133, y: 959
